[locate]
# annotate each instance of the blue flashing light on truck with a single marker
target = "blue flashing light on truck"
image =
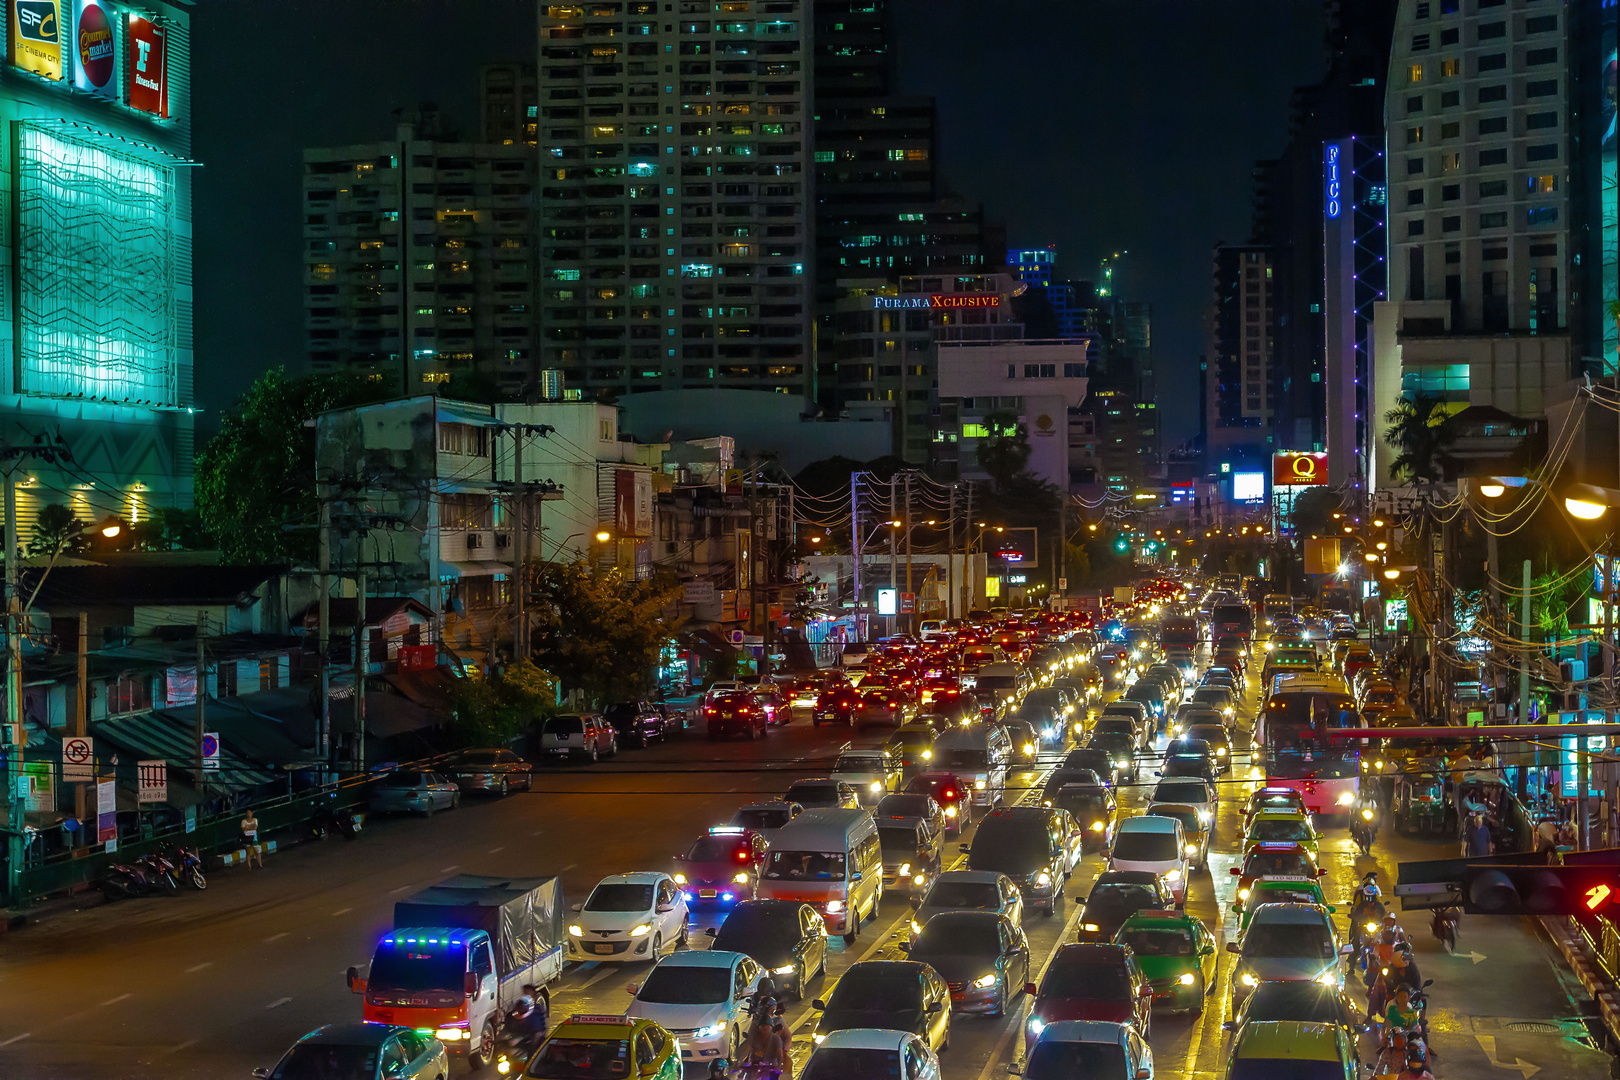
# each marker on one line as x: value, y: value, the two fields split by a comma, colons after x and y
x: 459, y: 955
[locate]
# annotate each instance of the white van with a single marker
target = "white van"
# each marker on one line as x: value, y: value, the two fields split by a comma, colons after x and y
x: 829, y: 858
x: 1154, y: 844
x: 979, y: 755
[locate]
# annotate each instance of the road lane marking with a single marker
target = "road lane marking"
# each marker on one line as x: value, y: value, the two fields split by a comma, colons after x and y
x: 187, y: 1045
x: 341, y: 911
x: 116, y: 1000
x: 193, y: 969
x: 494, y: 850
x: 401, y: 889
x: 276, y: 1004
x: 607, y: 969
x: 275, y: 937
x: 17, y: 1038
x: 452, y: 866
x: 567, y: 868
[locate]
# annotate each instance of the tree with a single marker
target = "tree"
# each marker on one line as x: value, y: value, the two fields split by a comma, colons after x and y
x: 1313, y: 512
x: 56, y: 527
x: 1422, y: 430
x: 1023, y: 501
x: 599, y: 631
x: 257, y: 474
x: 491, y: 712
x: 1005, y: 449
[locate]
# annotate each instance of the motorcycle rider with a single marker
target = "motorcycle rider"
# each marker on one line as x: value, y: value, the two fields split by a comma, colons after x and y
x: 1416, y: 1067
x: 765, y: 1047
x: 527, y: 1019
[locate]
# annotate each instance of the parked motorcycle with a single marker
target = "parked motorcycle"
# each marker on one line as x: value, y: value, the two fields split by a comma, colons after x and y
x: 163, y: 873
x: 124, y: 881
x: 188, y: 867
x: 324, y: 821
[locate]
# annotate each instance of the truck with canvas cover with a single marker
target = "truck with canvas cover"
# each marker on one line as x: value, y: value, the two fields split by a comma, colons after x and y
x: 459, y: 955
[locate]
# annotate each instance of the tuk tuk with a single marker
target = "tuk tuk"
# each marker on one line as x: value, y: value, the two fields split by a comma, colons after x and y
x: 1419, y: 805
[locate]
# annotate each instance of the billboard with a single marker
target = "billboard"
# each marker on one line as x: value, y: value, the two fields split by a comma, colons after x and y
x: 36, y: 37
x: 1295, y: 468
x: 1248, y: 486
x: 95, y: 68
x: 148, y: 66
x: 1322, y: 555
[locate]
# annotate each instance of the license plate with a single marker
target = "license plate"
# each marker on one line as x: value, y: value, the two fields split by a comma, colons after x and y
x: 708, y: 894
x: 603, y: 948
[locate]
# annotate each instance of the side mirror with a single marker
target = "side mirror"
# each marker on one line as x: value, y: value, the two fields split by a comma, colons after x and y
x: 665, y: 909
x: 1030, y: 989
x: 354, y: 981
x: 1234, y: 947
x: 933, y: 1007
x: 262, y: 1073
x: 1236, y: 871
x: 1079, y: 899
x: 856, y: 876
x: 469, y: 983
x: 1332, y: 909
x: 579, y: 907
x: 1319, y: 873
x: 677, y: 858
x: 905, y: 946
x: 1347, y: 950
x: 632, y: 988
x: 711, y: 931
x: 1230, y: 1025
x: 1207, y: 950
x: 1145, y: 991
x: 819, y: 1005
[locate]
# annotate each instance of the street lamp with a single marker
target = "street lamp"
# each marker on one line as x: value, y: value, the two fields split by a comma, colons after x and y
x: 603, y: 536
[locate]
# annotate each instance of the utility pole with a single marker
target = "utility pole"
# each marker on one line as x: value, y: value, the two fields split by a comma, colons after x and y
x: 360, y: 664
x: 520, y: 625
x: 894, y: 552
x: 323, y: 627
x: 81, y: 716
x: 201, y: 722
x: 855, y: 546
x: 950, y: 555
x: 911, y: 623
x: 967, y: 556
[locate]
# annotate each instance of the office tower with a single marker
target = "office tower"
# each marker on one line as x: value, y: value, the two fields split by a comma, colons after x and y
x: 97, y: 325
x: 1594, y: 201
x: 1479, y: 245
x: 421, y: 261
x: 1242, y: 331
x: 674, y: 148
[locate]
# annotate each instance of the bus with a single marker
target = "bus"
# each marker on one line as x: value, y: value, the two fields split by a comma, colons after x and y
x: 1291, y: 744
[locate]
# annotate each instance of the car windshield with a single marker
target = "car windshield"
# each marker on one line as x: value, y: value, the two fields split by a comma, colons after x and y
x: 1133, y: 846
x: 813, y: 794
x: 859, y: 991
x: 1188, y: 818
x: 1016, y: 848
x: 1278, y: 831
x: 1157, y: 942
x: 1281, y: 940
x: 858, y: 764
x: 1278, y: 864
x: 898, y: 841
x: 1209, y: 733
x: 682, y: 984
x: 1123, y: 725
x: 582, y: 1059
x: 961, y: 758
x: 1180, y: 791
x: 1087, y: 982
x: 750, y: 930
x: 1284, y: 894
x: 404, y: 780
x: 942, y: 790
x: 564, y: 725
x: 714, y: 849
x: 805, y: 866
x: 1260, y: 1068
x: 1212, y: 695
x: 772, y: 818
x: 979, y: 895
x: 903, y: 806
x: 1302, y: 1001
x: 620, y: 897
x: 1060, y: 1060
x: 1113, y: 740
x: 953, y: 936
x: 407, y: 965
x: 327, y: 1061
x: 1084, y: 802
x: 479, y: 757
x: 852, y: 1063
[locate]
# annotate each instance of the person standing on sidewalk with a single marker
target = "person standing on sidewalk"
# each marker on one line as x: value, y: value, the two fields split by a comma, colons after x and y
x: 250, y: 840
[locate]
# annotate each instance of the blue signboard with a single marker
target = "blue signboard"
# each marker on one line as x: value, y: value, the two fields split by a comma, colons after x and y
x: 1332, y: 198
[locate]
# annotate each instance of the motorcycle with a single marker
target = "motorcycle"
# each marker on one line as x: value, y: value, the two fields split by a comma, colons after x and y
x: 324, y: 821
x: 1367, y: 910
x: 161, y: 871
x: 1444, y: 927
x: 1364, y: 827
x: 124, y: 881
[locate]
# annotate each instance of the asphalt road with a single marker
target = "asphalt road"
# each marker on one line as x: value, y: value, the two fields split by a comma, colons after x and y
x: 213, y: 984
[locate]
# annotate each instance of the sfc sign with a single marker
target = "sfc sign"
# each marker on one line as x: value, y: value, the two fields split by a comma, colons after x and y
x: 153, y: 786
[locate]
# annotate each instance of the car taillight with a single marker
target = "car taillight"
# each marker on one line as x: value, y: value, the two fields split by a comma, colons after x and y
x: 950, y: 794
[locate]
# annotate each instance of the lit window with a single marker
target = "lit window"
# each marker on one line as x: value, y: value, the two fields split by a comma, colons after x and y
x: 1543, y: 185
x: 1414, y: 73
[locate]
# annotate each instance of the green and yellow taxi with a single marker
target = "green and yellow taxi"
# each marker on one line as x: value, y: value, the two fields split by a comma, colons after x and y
x: 1282, y: 889
x: 1282, y: 827
x: 1176, y: 952
x: 606, y: 1046
x: 1266, y: 1049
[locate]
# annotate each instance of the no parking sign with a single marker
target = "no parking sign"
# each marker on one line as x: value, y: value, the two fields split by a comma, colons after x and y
x: 210, y: 751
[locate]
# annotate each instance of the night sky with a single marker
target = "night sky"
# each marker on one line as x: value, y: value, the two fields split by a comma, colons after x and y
x: 1095, y: 125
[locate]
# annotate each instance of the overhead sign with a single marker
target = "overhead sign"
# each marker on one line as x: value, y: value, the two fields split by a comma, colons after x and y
x: 78, y: 759
x: 1293, y: 468
x: 152, y: 781
x: 888, y: 601
x: 36, y: 37
x: 147, y: 50
x: 210, y: 751
x: 1248, y: 486
x: 698, y: 592
x: 1010, y: 555
x: 95, y: 67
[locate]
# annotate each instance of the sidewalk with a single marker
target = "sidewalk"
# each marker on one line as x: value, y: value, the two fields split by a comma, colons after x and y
x: 1577, y: 953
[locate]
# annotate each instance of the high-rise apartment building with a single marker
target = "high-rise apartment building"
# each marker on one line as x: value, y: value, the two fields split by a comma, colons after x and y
x: 674, y: 155
x: 508, y: 104
x: 1478, y: 155
x: 1037, y: 268
x: 97, y: 319
x: 1241, y: 353
x: 420, y: 260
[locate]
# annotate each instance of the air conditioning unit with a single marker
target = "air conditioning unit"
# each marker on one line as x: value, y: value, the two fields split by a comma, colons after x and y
x: 671, y: 547
x: 503, y: 540
x: 474, y: 541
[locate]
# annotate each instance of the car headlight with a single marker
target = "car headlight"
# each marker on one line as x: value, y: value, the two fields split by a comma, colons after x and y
x: 1220, y: 751
x: 1191, y: 849
x: 927, y: 755
x: 905, y: 868
x: 917, y: 879
x: 785, y: 969
x: 875, y: 786
x: 1187, y: 979
x: 1029, y: 748
x: 1091, y: 928
x: 1248, y: 980
x: 680, y: 879
x: 834, y: 906
x: 709, y: 1032
x: 1122, y: 763
x: 1328, y: 978
x: 451, y: 1034
x: 1228, y: 711
x: 978, y: 785
x: 741, y: 879
x: 1079, y: 729
x: 818, y: 1038
x: 1036, y: 1025
x: 915, y: 929
x: 1043, y: 878
x: 576, y: 931
x: 1346, y: 798
x: 641, y: 931
x: 1204, y: 816
x: 1097, y: 826
x: 1172, y: 875
x: 1243, y: 894
x: 984, y: 981
x: 950, y: 811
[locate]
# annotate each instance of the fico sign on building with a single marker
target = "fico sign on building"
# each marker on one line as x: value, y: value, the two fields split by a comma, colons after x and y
x: 1298, y: 468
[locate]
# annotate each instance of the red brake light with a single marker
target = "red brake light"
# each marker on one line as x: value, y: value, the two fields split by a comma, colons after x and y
x: 950, y: 794
x: 742, y: 855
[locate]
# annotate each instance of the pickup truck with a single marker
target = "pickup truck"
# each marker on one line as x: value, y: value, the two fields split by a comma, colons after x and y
x: 459, y: 955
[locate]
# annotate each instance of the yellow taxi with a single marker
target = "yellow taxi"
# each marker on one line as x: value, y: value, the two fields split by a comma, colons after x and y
x: 1264, y: 1049
x: 1281, y: 827
x: 606, y: 1046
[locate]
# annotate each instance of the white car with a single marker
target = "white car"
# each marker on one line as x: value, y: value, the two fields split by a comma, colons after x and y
x: 629, y: 917
x: 871, y: 1052
x: 1155, y: 844
x: 874, y: 773
x: 702, y: 999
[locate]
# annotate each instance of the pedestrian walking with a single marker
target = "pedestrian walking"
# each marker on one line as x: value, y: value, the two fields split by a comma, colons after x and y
x: 250, y: 840
x: 1477, y: 842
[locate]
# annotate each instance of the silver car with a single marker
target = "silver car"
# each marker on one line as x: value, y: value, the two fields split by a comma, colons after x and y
x: 969, y: 890
x: 414, y: 792
x: 362, y: 1052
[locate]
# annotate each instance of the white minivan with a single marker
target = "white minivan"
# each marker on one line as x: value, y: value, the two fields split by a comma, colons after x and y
x: 829, y: 858
x: 979, y: 755
x: 1154, y: 844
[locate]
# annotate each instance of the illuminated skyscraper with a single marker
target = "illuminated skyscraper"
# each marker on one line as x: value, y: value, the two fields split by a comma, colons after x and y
x: 98, y: 298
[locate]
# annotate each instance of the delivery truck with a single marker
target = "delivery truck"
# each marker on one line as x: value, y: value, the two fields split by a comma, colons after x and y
x: 459, y: 955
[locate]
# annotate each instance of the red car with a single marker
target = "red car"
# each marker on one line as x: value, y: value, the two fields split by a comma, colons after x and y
x: 951, y: 792
x: 722, y: 866
x: 1091, y: 981
x: 733, y: 713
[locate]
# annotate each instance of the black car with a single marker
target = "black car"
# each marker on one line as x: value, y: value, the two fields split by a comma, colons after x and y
x: 636, y: 722
x: 1189, y: 757
x: 1064, y: 775
x: 1093, y: 806
x: 910, y: 856
x: 1023, y: 843
x: 1121, y: 748
x: 982, y: 956
x: 1117, y: 895
x: 735, y: 712
x: 896, y: 995
x: 785, y: 937
x: 1094, y: 758
x: 1306, y: 1002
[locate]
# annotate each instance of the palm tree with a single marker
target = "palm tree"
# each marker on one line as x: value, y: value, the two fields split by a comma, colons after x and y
x: 1422, y: 430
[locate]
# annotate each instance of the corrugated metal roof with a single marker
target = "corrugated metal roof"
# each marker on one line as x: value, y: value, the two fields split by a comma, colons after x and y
x: 154, y: 735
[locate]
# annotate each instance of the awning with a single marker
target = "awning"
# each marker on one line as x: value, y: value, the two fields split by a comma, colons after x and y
x: 154, y: 735
x: 707, y: 644
x: 474, y: 569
